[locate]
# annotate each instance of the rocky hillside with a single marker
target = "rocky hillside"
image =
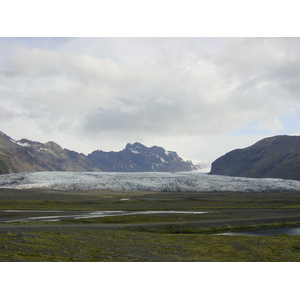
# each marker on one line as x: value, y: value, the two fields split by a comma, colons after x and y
x: 28, y: 156
x: 138, y: 158
x: 272, y: 157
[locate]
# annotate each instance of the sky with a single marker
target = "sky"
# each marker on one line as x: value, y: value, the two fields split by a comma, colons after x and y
x: 199, y: 96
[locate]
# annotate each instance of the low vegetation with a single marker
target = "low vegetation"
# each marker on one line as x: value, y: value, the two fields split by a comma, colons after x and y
x: 155, y: 237
x: 144, y: 200
x: 124, y: 245
x: 4, y: 164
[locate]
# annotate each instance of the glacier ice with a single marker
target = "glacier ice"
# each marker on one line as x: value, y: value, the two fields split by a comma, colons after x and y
x: 149, y: 181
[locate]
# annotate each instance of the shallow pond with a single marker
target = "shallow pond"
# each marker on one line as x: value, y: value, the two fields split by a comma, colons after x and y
x: 289, y: 230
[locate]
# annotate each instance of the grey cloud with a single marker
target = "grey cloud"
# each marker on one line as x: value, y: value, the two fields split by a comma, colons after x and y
x: 157, y: 86
x: 147, y: 116
x: 6, y: 114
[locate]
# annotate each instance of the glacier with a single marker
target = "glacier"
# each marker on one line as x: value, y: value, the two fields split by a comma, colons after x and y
x: 194, y: 181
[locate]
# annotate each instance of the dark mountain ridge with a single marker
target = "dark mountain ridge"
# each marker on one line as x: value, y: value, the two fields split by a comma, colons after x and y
x: 272, y: 157
x: 31, y: 156
x: 141, y: 159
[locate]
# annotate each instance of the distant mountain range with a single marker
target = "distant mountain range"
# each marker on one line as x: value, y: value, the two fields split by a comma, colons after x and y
x: 29, y: 156
x: 272, y: 157
x: 138, y: 158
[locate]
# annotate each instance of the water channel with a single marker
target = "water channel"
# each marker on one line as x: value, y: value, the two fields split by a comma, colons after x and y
x: 7, y: 216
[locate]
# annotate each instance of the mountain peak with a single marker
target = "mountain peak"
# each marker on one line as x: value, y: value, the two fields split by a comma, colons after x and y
x: 134, y: 145
x: 52, y: 146
x: 28, y: 156
x: 138, y: 158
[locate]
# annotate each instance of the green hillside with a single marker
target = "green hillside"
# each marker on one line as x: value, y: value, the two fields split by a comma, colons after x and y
x: 273, y: 157
x: 4, y: 164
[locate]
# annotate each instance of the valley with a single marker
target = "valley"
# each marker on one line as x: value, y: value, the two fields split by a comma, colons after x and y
x: 155, y: 236
x: 148, y: 204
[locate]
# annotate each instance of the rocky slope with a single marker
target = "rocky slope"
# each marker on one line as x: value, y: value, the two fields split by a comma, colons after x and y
x: 28, y: 156
x: 138, y: 158
x: 272, y: 157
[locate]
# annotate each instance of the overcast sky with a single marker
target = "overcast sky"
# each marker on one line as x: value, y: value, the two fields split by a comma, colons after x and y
x: 201, y: 97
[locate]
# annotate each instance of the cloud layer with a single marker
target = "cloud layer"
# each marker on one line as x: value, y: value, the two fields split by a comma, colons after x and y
x: 147, y: 89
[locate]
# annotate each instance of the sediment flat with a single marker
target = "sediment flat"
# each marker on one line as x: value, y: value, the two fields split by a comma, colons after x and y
x: 148, y: 237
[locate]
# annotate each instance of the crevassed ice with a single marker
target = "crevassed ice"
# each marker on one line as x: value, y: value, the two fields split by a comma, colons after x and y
x: 151, y: 181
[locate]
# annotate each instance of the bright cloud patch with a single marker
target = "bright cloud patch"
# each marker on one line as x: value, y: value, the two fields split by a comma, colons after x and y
x: 154, y: 87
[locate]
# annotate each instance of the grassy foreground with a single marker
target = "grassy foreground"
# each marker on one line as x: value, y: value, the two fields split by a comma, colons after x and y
x: 122, y: 245
x: 144, y: 200
x: 165, y: 238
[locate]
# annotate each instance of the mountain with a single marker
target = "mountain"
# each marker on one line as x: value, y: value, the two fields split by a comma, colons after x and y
x: 272, y: 157
x: 30, y: 156
x: 138, y: 158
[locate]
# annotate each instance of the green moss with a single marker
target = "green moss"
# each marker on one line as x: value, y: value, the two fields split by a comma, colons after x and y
x: 4, y: 164
x: 181, y: 240
x: 110, y: 200
x: 92, y: 245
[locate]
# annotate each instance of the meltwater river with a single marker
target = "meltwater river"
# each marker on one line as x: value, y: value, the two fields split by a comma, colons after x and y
x: 7, y: 216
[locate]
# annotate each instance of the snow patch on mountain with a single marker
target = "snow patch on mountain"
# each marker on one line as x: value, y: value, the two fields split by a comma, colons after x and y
x: 163, y: 182
x: 134, y: 151
x: 21, y: 144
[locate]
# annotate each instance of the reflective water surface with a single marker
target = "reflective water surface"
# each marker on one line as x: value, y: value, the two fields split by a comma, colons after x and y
x: 289, y: 230
x: 31, y: 215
